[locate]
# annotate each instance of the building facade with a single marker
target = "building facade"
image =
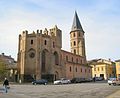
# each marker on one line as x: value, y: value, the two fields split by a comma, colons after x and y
x: 117, y: 68
x: 103, y: 68
x: 10, y: 66
x: 40, y: 54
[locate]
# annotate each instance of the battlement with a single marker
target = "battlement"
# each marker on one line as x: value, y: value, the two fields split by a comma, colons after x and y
x: 51, y: 32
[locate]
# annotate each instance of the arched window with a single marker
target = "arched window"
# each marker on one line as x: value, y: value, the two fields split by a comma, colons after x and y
x: 74, y: 51
x: 72, y: 59
x: 89, y: 70
x: 77, y: 60
x: 31, y: 42
x: 43, y: 61
x: 98, y: 68
x: 94, y: 69
x: 56, y: 58
x: 45, y: 42
x: 76, y: 69
x: 74, y: 43
x: 73, y: 34
x: 102, y: 68
x: 70, y: 69
x: 81, y: 61
x: 81, y: 69
x: 53, y: 44
x: 66, y: 58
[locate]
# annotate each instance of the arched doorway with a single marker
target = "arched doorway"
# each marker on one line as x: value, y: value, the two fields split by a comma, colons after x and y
x: 56, y: 58
x: 56, y: 75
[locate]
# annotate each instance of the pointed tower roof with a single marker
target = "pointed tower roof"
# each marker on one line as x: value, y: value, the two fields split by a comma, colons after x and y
x: 76, y: 23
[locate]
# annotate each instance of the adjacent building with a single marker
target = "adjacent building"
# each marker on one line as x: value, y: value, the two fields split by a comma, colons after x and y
x: 40, y: 54
x: 102, y: 68
x: 117, y: 68
x: 10, y: 67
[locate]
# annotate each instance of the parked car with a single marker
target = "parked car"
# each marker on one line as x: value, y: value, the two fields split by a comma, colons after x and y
x: 116, y: 82
x: 88, y: 79
x: 99, y: 78
x: 62, y: 81
x: 42, y: 81
x: 78, y: 80
x: 111, y: 80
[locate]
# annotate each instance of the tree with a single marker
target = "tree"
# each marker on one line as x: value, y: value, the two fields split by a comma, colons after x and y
x: 2, y: 70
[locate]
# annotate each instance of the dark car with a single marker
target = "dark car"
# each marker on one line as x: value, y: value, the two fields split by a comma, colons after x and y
x: 78, y: 80
x: 42, y: 81
x: 99, y: 78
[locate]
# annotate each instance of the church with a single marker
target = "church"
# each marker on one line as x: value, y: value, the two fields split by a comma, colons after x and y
x: 40, y: 54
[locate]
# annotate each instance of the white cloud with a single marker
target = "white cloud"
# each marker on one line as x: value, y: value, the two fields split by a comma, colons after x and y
x: 18, y: 21
x: 100, y: 22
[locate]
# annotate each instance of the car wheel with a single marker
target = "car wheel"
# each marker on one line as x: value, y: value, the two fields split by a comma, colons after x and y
x: 45, y: 83
x: 114, y: 84
x: 60, y: 83
x: 109, y: 84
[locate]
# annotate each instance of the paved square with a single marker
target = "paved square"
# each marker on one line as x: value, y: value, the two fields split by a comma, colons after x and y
x: 83, y: 90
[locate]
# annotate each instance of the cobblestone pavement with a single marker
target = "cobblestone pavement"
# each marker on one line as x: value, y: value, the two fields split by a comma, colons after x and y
x: 83, y: 90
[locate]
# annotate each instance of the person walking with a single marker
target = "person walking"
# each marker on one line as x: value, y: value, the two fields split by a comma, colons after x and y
x: 6, y: 84
x: 94, y: 79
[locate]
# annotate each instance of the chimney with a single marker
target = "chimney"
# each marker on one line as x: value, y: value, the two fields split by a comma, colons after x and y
x: 3, y: 54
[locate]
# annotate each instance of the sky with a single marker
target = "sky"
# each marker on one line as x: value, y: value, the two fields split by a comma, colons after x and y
x: 100, y: 20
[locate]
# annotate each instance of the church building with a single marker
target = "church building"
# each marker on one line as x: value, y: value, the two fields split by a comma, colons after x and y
x: 40, y: 54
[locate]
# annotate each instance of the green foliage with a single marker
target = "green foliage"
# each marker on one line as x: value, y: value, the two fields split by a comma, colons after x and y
x: 2, y: 67
x: 2, y: 70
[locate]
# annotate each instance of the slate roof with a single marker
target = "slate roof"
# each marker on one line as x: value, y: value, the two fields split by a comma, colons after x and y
x: 76, y: 23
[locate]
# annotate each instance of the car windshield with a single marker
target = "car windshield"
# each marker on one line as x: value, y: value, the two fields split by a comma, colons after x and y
x: 112, y: 79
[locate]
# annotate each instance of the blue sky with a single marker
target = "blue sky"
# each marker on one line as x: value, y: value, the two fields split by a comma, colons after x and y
x: 100, y: 20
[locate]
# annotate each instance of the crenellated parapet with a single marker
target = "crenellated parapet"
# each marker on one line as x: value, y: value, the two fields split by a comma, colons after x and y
x: 51, y: 32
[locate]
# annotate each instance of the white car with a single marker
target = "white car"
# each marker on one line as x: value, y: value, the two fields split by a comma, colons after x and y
x: 62, y: 81
x: 117, y: 82
x: 111, y: 80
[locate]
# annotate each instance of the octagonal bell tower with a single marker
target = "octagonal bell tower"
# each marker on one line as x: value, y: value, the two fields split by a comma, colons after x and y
x: 77, y: 40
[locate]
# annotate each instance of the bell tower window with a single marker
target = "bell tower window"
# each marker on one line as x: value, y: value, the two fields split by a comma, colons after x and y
x: 73, y: 34
x: 74, y: 43
x: 31, y: 42
x: 74, y: 51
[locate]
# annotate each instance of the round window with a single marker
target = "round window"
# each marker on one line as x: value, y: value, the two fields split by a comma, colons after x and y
x: 32, y: 55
